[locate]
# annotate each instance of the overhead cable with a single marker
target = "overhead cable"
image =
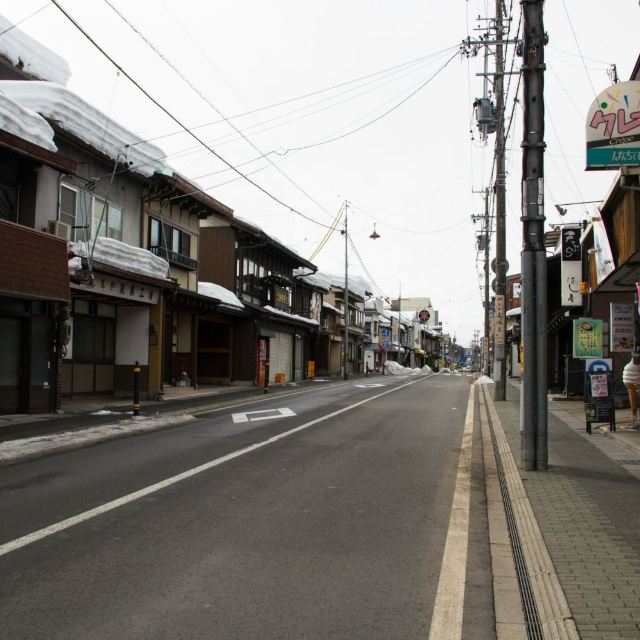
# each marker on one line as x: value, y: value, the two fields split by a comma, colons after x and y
x: 178, y: 121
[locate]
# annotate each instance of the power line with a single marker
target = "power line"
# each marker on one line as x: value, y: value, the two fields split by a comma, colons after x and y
x: 179, y: 122
x: 229, y: 137
x: 373, y: 282
x: 382, y: 115
x: 575, y: 37
x: 382, y: 72
x: 328, y: 234
x: 13, y: 26
x: 203, y: 97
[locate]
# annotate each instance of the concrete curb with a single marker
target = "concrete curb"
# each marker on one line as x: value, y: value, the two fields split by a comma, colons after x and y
x: 507, y: 604
x: 556, y: 619
x: 618, y: 437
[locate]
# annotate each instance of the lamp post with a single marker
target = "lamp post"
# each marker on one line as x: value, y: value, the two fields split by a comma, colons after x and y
x: 561, y: 205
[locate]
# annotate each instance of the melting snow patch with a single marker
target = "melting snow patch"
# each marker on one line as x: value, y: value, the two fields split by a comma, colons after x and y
x: 27, y: 448
x: 106, y: 412
x: 484, y: 380
x: 392, y: 368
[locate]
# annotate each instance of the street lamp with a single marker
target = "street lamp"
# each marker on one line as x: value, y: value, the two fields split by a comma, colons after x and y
x: 561, y: 206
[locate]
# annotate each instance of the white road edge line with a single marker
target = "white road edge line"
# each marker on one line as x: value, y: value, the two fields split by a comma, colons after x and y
x: 30, y: 538
x: 446, y: 621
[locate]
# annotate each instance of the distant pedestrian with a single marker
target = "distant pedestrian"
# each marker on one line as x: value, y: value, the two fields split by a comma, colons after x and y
x: 631, y: 380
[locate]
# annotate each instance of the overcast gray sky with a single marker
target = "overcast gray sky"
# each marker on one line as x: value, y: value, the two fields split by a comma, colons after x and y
x: 412, y: 171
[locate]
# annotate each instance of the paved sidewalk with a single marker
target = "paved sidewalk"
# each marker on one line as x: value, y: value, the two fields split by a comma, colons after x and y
x: 588, y: 509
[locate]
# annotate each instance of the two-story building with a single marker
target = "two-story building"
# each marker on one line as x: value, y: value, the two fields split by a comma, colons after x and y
x: 259, y: 270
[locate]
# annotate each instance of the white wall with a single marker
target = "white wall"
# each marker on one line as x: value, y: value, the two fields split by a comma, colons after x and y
x: 132, y: 335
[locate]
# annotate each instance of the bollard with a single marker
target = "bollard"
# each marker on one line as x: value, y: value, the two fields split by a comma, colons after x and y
x: 266, y: 376
x: 136, y: 389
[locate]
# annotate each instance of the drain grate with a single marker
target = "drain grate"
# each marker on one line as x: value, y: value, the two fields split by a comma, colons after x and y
x: 532, y: 620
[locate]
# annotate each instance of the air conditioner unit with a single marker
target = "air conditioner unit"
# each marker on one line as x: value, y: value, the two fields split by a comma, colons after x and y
x: 58, y: 228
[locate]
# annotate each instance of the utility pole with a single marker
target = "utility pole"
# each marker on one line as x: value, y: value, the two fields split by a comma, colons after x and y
x: 486, y: 235
x: 501, y: 266
x: 345, y: 351
x: 487, y: 295
x: 533, y: 413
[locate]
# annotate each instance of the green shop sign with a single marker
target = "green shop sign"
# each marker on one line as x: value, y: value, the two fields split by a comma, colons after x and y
x: 587, y: 338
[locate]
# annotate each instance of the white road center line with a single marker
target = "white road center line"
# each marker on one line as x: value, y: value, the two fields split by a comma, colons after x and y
x: 30, y: 538
x: 446, y: 621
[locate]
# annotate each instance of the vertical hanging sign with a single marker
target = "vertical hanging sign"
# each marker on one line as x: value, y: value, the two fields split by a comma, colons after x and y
x: 571, y: 267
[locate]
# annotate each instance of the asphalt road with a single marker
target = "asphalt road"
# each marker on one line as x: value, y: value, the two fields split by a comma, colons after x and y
x: 323, y: 516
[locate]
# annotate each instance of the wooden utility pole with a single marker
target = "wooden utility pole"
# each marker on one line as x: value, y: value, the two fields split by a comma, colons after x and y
x: 533, y: 413
x: 487, y: 294
x: 501, y: 266
x: 345, y: 351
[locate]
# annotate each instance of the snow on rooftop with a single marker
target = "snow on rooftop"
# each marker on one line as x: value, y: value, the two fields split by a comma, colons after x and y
x: 71, y: 113
x: 122, y: 256
x: 30, y: 56
x: 212, y: 290
x: 326, y: 305
x: 293, y: 316
x: 318, y: 280
x: 24, y: 123
x: 358, y: 286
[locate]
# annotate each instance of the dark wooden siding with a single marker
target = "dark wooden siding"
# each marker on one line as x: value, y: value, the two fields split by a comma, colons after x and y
x: 626, y: 228
x: 244, y: 350
x: 217, y: 256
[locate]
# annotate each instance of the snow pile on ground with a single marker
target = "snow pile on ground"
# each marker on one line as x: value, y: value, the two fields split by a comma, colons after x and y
x: 29, y: 448
x: 226, y: 297
x: 484, y: 380
x: 123, y: 256
x: 445, y: 370
x: 79, y: 118
x: 392, y: 368
x: 108, y: 412
x: 31, y: 56
x: 427, y: 369
x: 24, y: 123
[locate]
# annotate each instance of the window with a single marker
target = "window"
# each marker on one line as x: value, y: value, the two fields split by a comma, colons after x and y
x: 84, y: 212
x: 171, y: 243
x: 107, y: 220
x: 93, y: 339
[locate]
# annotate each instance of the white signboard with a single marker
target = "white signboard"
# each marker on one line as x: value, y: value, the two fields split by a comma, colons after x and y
x: 120, y: 288
x: 622, y: 326
x: 571, y: 275
x: 416, y: 334
x: 498, y: 319
x: 612, y: 128
x: 603, y: 253
x: 598, y: 365
x: 571, y: 267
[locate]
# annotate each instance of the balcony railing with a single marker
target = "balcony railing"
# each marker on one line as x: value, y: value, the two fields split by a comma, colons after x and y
x: 175, y: 258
